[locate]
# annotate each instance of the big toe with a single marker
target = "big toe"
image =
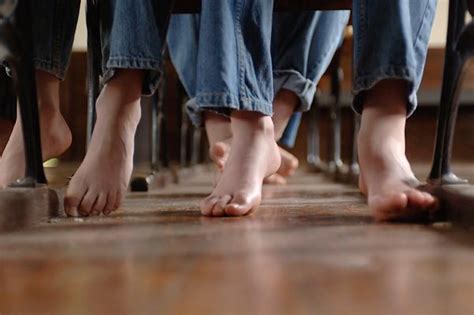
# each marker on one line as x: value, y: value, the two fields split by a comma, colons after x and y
x: 242, y: 204
x: 72, y: 199
x: 385, y: 208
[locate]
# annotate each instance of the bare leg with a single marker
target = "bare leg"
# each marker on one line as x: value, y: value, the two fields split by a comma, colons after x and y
x: 386, y: 176
x: 55, y: 134
x: 101, y: 181
x: 253, y: 156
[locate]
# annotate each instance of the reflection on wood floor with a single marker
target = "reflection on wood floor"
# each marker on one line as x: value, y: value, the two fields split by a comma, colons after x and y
x: 311, y: 249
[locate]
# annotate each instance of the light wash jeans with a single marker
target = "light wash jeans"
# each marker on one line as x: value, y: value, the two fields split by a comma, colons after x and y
x: 129, y: 37
x: 234, y: 64
x: 302, y: 46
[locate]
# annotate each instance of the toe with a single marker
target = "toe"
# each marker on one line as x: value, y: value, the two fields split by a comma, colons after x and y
x: 241, y: 205
x: 208, y: 204
x: 416, y: 199
x: 110, y: 204
x: 385, y: 208
x: 218, y: 209
x: 87, y: 202
x: 99, y: 204
x: 72, y: 200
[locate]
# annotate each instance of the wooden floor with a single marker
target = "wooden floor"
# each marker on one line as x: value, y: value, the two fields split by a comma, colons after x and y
x: 311, y: 249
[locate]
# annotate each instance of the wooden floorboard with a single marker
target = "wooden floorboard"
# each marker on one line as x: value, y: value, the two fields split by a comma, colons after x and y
x: 311, y: 249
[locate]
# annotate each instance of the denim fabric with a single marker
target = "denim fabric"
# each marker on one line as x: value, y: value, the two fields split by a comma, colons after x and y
x: 391, y: 42
x: 54, y: 24
x: 231, y: 56
x: 129, y: 36
x: 302, y: 46
x: 130, y: 39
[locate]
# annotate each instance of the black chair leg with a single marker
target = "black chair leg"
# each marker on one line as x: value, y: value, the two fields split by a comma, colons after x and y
x: 93, y: 63
x: 455, y: 62
x: 16, y: 39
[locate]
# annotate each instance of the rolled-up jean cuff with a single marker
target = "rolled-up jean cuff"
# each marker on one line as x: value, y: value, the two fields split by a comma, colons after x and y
x: 224, y: 104
x: 46, y: 66
x: 152, y: 67
x: 294, y: 81
x: 364, y: 83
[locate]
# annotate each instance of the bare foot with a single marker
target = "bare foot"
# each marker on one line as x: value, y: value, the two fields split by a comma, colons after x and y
x: 253, y: 156
x: 386, y: 176
x: 219, y: 153
x: 55, y: 134
x: 101, y: 181
x: 220, y: 137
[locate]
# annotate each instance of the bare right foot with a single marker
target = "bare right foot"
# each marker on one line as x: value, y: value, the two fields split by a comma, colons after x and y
x: 253, y: 156
x: 55, y: 134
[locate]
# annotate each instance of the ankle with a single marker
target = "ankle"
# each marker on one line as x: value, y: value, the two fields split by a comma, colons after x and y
x: 251, y: 122
x: 387, y: 97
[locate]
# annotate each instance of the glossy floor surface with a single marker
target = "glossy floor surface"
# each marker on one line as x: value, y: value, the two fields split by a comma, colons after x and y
x: 311, y: 249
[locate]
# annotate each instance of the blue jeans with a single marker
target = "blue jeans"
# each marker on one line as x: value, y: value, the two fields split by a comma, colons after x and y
x: 301, y: 48
x: 390, y: 42
x: 129, y: 37
x: 232, y: 67
x: 54, y: 24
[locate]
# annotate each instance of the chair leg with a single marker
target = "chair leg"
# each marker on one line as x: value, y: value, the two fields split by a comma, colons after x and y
x: 21, y: 61
x: 185, y: 130
x: 196, y: 146
x: 452, y: 80
x: 313, y: 143
x: 93, y: 64
x: 336, y: 167
x: 354, y: 170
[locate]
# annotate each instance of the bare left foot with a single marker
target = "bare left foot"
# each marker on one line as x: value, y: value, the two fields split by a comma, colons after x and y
x: 253, y: 156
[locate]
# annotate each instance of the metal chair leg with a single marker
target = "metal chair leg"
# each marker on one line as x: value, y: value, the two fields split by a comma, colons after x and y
x: 93, y: 63
x: 145, y: 183
x: 16, y: 40
x: 354, y: 170
x: 455, y: 61
x: 336, y: 167
x: 313, y: 142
